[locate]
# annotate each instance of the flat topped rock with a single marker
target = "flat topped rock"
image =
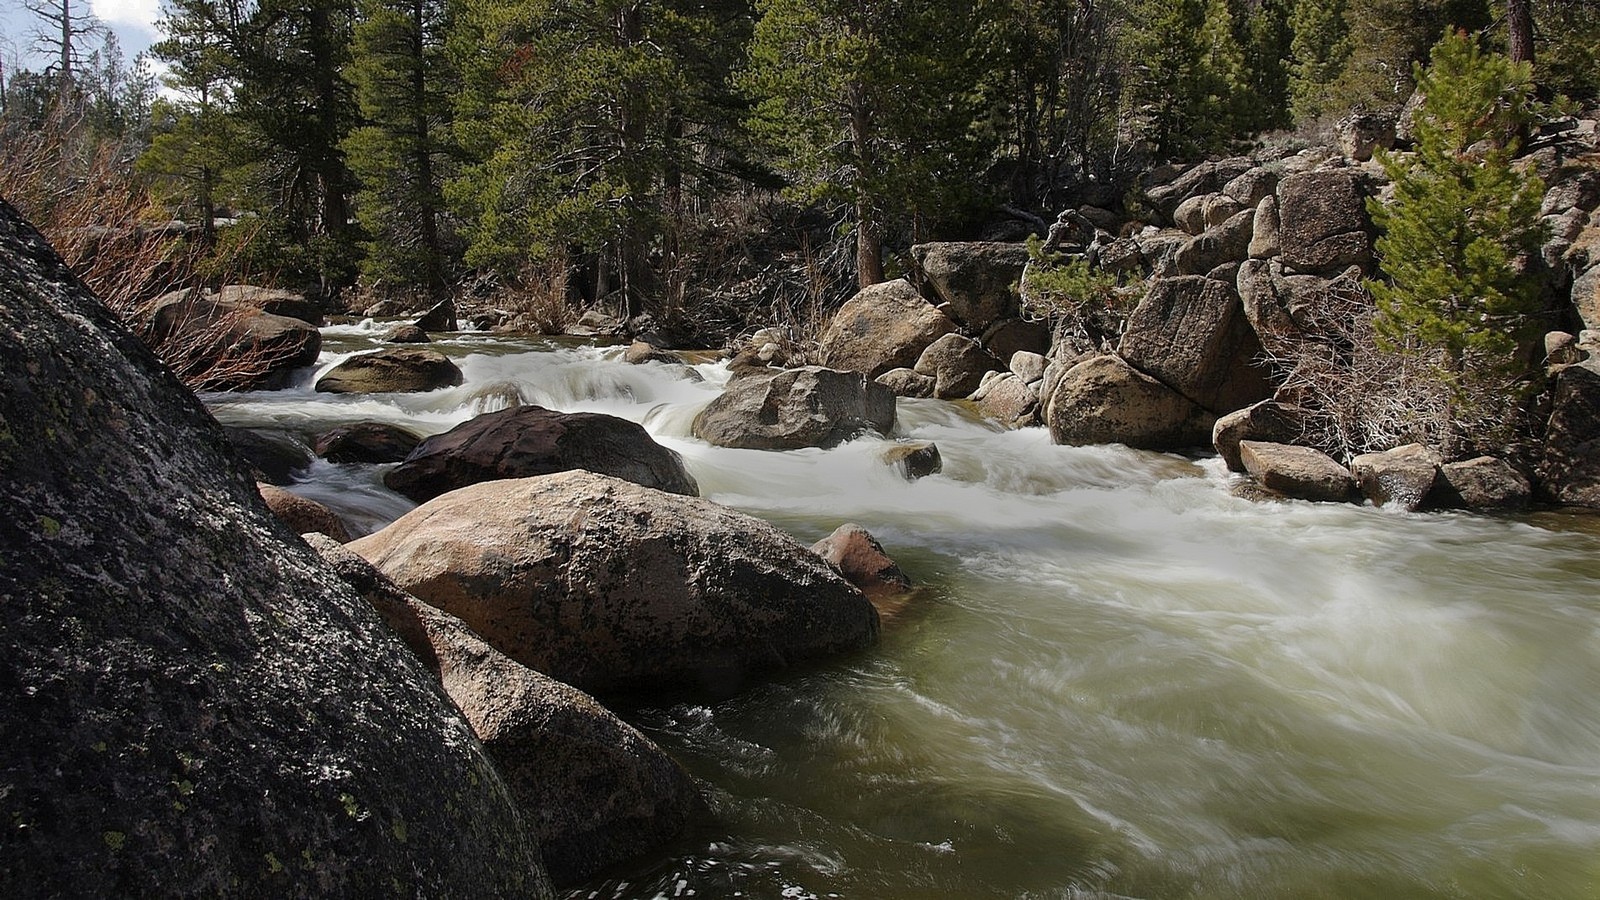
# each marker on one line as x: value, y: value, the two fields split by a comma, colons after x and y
x: 1298, y: 472
x: 796, y: 408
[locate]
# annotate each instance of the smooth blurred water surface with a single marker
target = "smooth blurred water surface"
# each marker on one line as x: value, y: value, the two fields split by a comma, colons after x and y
x: 1116, y: 680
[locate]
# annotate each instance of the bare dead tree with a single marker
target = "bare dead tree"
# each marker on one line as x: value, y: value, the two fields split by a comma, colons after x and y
x: 61, y: 29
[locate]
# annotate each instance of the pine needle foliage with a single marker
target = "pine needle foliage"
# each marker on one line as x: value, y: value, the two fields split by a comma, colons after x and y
x: 1461, y: 219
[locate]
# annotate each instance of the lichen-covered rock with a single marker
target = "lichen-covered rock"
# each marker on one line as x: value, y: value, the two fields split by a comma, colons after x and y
x: 1205, y: 178
x: 595, y: 791
x: 1028, y: 366
x: 402, y: 370
x: 608, y: 586
x: 1323, y: 223
x: 1228, y: 241
x: 1103, y: 400
x: 1264, y: 241
x: 1403, y: 477
x: 1360, y: 136
x: 885, y: 326
x: 195, y: 702
x: 795, y: 408
x: 1298, y: 472
x: 1269, y: 421
x: 302, y: 514
x: 524, y: 441
x: 977, y: 281
x: 1191, y: 333
x: 957, y: 365
x: 366, y: 442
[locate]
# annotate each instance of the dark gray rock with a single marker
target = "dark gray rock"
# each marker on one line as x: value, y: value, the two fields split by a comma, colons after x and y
x: 608, y: 586
x: 1323, y: 223
x: 1228, y: 242
x: 805, y: 407
x: 977, y: 281
x: 271, y: 456
x: 1484, y: 483
x: 915, y: 460
x: 366, y: 442
x: 216, y: 346
x: 530, y: 440
x: 1570, y: 473
x: 196, y: 704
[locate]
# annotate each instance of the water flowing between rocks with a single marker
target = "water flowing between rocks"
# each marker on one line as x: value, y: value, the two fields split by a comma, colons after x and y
x: 1117, y: 679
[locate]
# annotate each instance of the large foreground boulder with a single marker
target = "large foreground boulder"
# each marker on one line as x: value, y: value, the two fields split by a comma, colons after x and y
x: 217, y: 346
x: 595, y: 790
x: 524, y: 441
x: 608, y: 586
x: 1103, y: 400
x: 807, y: 407
x: 885, y: 326
x: 403, y: 370
x: 195, y: 703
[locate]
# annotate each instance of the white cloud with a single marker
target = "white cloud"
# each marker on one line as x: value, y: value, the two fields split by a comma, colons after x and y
x: 133, y: 13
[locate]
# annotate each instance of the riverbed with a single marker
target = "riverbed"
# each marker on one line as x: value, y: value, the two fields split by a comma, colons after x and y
x: 1116, y: 679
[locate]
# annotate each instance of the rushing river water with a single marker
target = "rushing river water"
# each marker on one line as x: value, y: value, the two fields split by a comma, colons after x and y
x: 1117, y: 680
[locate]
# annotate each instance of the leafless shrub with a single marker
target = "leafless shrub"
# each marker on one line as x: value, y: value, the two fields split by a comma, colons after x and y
x: 536, y: 300
x: 1365, y: 398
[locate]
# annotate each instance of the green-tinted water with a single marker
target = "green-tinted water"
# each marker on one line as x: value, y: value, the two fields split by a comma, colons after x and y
x: 1117, y: 681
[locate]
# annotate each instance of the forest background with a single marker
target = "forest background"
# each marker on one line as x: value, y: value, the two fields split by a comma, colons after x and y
x: 719, y: 163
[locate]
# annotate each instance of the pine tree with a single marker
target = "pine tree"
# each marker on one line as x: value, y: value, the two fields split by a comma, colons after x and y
x: 1318, y: 52
x: 1461, y: 217
x: 399, y: 68
x: 869, y: 105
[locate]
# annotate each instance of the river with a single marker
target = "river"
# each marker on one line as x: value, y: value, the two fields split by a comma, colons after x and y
x: 1116, y: 680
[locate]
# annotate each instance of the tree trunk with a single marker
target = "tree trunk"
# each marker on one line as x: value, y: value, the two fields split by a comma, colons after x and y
x: 1519, y: 23
x: 869, y: 232
x: 422, y: 157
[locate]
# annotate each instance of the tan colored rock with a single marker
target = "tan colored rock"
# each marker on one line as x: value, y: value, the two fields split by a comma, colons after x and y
x: 302, y: 514
x: 1403, y: 477
x: 609, y: 586
x: 908, y: 383
x: 1009, y: 400
x: 1297, y: 472
x: 957, y: 365
x: 595, y: 791
x: 1103, y: 400
x: 1191, y: 333
x: 1484, y: 483
x: 1269, y: 421
x: 885, y: 326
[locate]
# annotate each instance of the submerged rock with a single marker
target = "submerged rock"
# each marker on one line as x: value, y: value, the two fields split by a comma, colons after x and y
x: 523, y: 441
x: 795, y: 408
x: 609, y: 586
x: 366, y: 442
x: 595, y: 790
x: 195, y: 702
x: 861, y: 560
